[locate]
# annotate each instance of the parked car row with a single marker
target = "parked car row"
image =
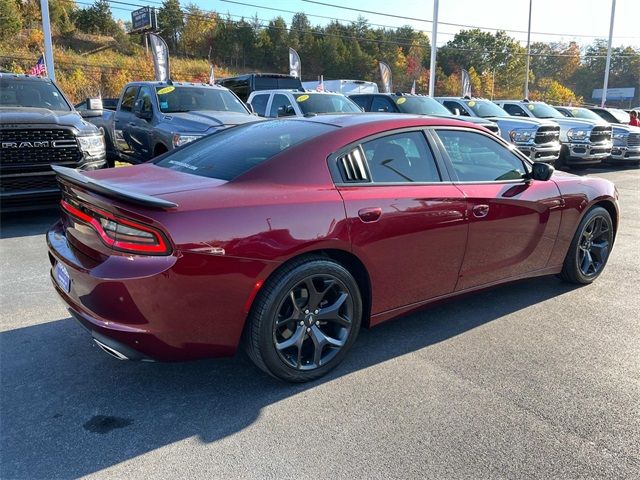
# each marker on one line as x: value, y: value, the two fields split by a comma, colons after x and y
x: 152, y: 118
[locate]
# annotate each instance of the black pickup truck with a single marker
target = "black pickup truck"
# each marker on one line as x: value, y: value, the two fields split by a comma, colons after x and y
x: 40, y: 128
x: 154, y: 117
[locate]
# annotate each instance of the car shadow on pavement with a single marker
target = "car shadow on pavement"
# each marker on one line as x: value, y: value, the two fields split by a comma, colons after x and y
x: 69, y: 410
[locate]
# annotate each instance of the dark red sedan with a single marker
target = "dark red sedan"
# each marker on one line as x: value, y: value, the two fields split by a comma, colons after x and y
x: 287, y: 236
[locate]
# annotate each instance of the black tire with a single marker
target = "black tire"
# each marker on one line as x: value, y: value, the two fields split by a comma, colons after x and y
x: 278, y: 318
x: 590, y: 248
x: 561, y: 161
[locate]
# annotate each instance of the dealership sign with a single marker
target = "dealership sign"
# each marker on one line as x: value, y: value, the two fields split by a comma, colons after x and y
x: 615, y: 93
x: 144, y: 19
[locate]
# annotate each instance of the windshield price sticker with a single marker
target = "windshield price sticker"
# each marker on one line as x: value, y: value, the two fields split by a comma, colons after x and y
x: 472, y: 103
x: 165, y: 90
x: 531, y: 107
x: 401, y: 101
x: 302, y: 98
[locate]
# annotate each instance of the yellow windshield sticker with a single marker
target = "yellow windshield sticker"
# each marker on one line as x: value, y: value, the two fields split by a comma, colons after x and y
x: 574, y: 112
x: 531, y: 107
x: 401, y: 100
x: 165, y: 90
x: 302, y: 98
x: 472, y: 103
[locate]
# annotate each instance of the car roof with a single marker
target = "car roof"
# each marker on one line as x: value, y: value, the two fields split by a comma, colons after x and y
x: 384, y: 120
x: 25, y: 76
x: 174, y: 84
x: 293, y: 90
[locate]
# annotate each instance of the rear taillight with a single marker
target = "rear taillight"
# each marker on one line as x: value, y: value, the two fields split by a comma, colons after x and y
x: 120, y: 233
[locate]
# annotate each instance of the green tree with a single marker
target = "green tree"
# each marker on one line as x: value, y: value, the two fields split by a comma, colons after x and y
x: 96, y: 19
x: 10, y: 19
x: 171, y: 22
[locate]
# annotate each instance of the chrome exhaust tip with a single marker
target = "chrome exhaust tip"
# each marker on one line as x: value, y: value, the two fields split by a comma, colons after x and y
x: 110, y: 350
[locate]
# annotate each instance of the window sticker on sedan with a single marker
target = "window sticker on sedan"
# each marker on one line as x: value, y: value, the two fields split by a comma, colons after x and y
x: 302, y: 98
x: 401, y: 100
x: 531, y: 107
x: 165, y: 90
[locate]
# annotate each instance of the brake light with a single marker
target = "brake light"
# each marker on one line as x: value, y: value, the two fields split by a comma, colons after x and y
x: 119, y: 233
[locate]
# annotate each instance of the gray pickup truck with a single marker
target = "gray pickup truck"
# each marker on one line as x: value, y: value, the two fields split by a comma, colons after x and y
x: 584, y: 142
x: 40, y: 128
x: 155, y: 117
x: 626, y: 139
x: 537, y: 139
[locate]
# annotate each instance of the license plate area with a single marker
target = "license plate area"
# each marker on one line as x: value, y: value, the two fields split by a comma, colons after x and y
x: 61, y: 274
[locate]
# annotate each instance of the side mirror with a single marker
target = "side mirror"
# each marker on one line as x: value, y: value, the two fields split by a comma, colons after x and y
x: 93, y: 108
x: 139, y: 112
x: 541, y: 171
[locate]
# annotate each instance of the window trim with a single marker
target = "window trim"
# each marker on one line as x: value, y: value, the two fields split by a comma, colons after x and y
x: 339, y: 181
x: 528, y: 164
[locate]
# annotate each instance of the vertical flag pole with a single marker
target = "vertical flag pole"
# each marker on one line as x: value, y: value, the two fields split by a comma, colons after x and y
x: 606, y: 68
x: 526, y: 78
x: 434, y: 48
x: 48, y: 45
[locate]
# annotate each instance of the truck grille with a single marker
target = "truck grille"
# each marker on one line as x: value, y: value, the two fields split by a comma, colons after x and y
x: 633, y: 140
x: 547, y: 135
x: 600, y: 134
x: 28, y: 183
x: 38, y: 147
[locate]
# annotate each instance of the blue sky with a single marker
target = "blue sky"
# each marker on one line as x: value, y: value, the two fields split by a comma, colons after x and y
x: 568, y: 20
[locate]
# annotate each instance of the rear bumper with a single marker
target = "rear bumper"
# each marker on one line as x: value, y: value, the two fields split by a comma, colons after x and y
x: 166, y: 308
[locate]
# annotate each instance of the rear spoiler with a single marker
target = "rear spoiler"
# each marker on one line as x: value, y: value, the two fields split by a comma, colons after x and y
x: 74, y: 176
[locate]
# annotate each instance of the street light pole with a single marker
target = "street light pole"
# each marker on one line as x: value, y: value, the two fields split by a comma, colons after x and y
x: 526, y: 78
x: 606, y: 68
x: 48, y: 45
x: 434, y: 48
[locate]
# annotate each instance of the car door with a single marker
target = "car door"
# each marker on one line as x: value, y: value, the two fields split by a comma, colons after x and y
x: 513, y: 221
x: 407, y: 221
x: 124, y: 115
x: 141, y: 131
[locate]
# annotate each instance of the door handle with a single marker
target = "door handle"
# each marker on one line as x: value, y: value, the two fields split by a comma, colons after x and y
x: 480, y: 211
x: 369, y: 215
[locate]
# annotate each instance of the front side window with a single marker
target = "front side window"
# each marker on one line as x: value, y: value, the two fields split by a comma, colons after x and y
x: 452, y: 106
x: 403, y: 157
x: 234, y: 151
x: 128, y: 98
x: 259, y: 104
x: 362, y: 101
x: 478, y: 158
x: 175, y: 99
x: 382, y: 104
x: 146, y: 95
x: 514, y: 110
x: 281, y: 106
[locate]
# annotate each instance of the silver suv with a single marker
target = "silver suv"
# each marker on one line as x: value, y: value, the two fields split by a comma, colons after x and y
x: 537, y: 139
x: 584, y: 142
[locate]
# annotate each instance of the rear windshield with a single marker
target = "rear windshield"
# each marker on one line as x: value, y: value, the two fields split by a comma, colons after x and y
x: 230, y: 153
x: 174, y: 99
x: 22, y: 92
x: 325, y: 103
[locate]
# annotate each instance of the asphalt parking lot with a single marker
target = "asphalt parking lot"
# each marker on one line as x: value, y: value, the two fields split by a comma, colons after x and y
x: 537, y: 379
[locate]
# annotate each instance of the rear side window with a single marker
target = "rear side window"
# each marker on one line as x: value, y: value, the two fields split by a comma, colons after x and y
x: 362, y: 101
x: 478, y: 158
x: 382, y: 104
x: 514, y: 110
x: 232, y: 152
x: 128, y: 98
x: 451, y: 106
x: 259, y: 104
x: 403, y: 157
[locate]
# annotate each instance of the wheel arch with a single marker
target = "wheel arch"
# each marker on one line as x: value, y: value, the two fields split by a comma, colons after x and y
x: 610, y: 207
x: 348, y: 260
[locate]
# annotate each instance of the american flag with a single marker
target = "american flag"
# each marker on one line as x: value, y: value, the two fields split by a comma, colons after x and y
x: 40, y: 67
x: 320, y: 87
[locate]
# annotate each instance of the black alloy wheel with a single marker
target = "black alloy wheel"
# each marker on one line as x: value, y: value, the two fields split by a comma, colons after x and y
x: 590, y: 247
x: 304, y: 319
x: 313, y: 322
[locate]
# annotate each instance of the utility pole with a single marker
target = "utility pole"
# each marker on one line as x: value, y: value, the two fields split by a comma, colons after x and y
x: 526, y: 78
x: 606, y: 68
x: 434, y: 48
x: 48, y: 45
